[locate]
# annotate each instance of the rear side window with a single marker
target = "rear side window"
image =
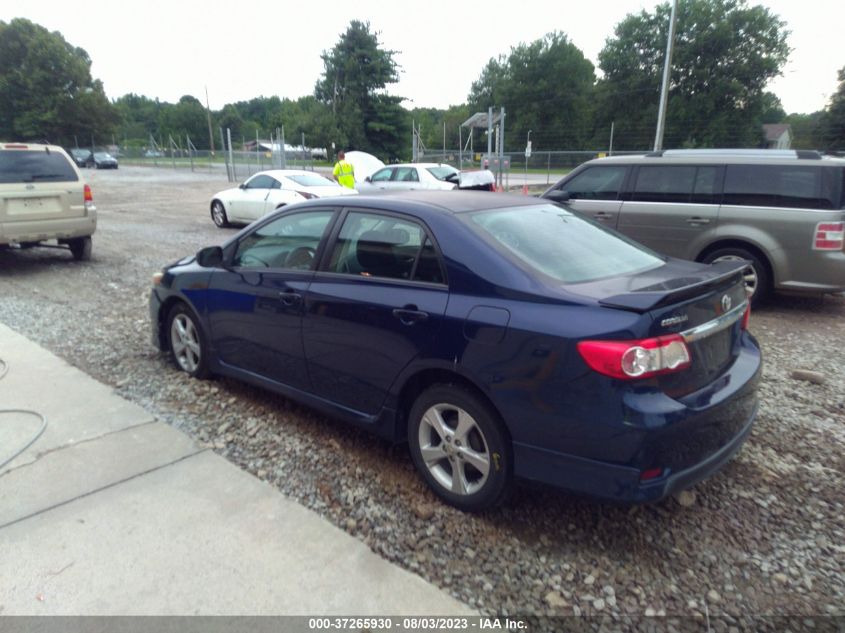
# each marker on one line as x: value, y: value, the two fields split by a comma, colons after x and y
x: 35, y: 166
x: 562, y: 245
x: 374, y: 245
x: 783, y: 186
x: 681, y: 183
x: 597, y: 183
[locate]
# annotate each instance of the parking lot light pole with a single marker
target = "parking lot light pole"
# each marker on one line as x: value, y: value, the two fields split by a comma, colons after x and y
x: 664, y: 89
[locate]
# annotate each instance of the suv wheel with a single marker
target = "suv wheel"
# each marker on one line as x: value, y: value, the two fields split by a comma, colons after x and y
x: 460, y: 447
x: 757, y: 280
x: 80, y: 248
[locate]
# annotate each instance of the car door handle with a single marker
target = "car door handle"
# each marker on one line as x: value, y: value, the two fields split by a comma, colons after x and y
x: 410, y: 315
x: 695, y: 221
x: 602, y: 215
x: 290, y: 297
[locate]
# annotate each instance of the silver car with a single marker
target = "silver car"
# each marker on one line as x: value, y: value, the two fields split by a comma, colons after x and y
x: 42, y: 198
x: 783, y: 211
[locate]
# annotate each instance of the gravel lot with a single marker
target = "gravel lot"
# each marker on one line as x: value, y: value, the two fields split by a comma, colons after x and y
x: 765, y: 536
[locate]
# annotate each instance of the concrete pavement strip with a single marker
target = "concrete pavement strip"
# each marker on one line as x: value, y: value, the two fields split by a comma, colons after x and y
x: 113, y: 513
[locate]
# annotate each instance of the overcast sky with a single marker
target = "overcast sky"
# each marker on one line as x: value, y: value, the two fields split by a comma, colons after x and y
x: 240, y: 51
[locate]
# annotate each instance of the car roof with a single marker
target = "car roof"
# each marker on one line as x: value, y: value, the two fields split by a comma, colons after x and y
x: 30, y: 146
x: 281, y: 173
x: 448, y: 202
x: 720, y: 157
x: 425, y: 165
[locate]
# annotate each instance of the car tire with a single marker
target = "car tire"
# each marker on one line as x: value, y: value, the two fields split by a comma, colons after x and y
x: 186, y: 341
x: 757, y: 278
x: 460, y: 447
x: 80, y: 248
x: 218, y: 214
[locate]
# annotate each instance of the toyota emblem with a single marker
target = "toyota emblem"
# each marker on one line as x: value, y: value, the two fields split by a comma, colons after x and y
x: 726, y: 303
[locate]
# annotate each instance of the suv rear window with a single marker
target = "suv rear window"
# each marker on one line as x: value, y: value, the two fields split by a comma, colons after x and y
x: 562, y: 245
x: 35, y: 166
x: 783, y: 186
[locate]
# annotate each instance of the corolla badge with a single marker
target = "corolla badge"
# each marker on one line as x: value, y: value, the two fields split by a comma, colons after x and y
x: 726, y: 303
x: 675, y: 320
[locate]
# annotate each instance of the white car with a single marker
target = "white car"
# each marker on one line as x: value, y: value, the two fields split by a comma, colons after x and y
x: 266, y: 191
x: 425, y: 176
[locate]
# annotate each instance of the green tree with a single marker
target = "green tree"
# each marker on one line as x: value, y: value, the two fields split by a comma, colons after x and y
x: 725, y: 53
x: 834, y: 118
x: 187, y: 117
x: 808, y: 130
x: 353, y: 86
x: 46, y: 88
x: 546, y: 87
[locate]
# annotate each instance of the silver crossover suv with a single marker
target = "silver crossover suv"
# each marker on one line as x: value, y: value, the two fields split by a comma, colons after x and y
x: 42, y: 198
x: 781, y: 210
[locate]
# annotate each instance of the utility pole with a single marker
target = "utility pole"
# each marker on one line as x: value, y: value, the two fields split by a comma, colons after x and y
x: 664, y: 89
x: 208, y: 112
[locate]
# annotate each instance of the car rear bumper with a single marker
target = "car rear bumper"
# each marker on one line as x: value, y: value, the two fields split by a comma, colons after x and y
x: 41, y: 230
x: 687, y: 439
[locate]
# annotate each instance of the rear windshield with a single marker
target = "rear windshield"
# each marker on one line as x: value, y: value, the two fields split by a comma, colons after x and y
x: 310, y: 180
x: 441, y: 172
x: 34, y: 166
x: 562, y: 245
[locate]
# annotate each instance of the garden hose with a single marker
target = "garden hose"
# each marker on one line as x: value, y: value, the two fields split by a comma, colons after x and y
x: 4, y: 369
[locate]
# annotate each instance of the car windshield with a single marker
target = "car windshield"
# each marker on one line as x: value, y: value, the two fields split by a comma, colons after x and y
x: 311, y: 180
x: 442, y: 172
x: 35, y: 166
x: 562, y: 245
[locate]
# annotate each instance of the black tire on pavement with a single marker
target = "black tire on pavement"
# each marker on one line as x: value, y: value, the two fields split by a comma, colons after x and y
x: 80, y: 248
x: 758, y: 280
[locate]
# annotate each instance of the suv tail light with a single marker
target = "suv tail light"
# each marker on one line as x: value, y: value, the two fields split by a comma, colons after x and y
x: 630, y: 360
x: 830, y: 236
x: 87, y: 196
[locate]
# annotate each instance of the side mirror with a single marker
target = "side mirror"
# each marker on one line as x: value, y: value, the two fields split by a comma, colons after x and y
x: 210, y: 257
x: 455, y: 178
x: 242, y: 185
x: 368, y: 179
x: 558, y: 195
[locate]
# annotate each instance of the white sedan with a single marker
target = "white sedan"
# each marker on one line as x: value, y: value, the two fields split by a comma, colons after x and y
x: 425, y: 176
x: 266, y: 191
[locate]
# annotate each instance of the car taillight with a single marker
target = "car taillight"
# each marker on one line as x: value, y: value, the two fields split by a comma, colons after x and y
x: 306, y: 195
x: 87, y: 195
x: 629, y: 360
x: 830, y: 236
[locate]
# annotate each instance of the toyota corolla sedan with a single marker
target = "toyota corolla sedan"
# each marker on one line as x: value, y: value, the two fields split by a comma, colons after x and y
x: 502, y: 337
x: 267, y: 191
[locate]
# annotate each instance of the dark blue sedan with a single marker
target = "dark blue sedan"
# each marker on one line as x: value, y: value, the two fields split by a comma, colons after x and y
x: 499, y: 336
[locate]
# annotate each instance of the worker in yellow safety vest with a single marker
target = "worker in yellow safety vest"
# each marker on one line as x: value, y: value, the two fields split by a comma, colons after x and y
x: 343, y: 172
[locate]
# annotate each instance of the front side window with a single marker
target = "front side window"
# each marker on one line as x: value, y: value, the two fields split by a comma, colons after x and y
x: 260, y: 182
x: 35, y: 166
x: 597, y: 183
x: 783, y: 186
x: 561, y: 245
x: 382, y: 175
x: 374, y: 245
x: 289, y: 242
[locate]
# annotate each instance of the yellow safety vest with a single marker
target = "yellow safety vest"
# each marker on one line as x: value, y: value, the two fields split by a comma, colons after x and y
x: 344, y: 172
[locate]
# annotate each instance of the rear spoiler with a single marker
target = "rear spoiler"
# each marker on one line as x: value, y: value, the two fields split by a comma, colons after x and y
x: 659, y: 295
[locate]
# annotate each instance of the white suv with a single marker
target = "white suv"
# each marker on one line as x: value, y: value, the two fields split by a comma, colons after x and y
x: 43, y: 197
